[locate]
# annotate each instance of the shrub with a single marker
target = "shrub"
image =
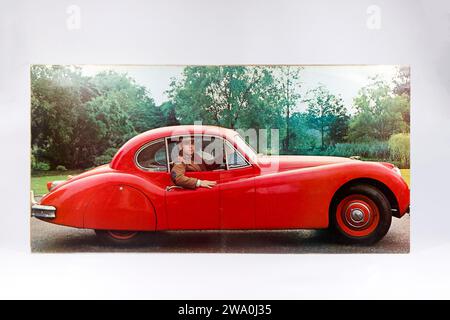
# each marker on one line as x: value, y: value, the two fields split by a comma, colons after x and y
x: 399, y: 147
x: 40, y: 166
x: 61, y: 168
x: 106, y: 157
x: 33, y: 161
x: 366, y: 150
x: 37, y: 160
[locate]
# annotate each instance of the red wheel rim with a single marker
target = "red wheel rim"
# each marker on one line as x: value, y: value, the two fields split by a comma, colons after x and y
x: 122, y: 235
x: 357, y: 215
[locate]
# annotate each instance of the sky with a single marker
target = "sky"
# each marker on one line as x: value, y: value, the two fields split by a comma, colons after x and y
x: 343, y: 80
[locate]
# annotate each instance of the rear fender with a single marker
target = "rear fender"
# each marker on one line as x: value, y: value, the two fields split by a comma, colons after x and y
x: 116, y: 201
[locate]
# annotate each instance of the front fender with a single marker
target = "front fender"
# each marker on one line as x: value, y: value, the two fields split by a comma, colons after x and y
x: 380, y: 173
x: 301, y: 198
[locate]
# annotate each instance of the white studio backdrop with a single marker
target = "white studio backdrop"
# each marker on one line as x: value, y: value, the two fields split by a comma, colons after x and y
x: 415, y: 33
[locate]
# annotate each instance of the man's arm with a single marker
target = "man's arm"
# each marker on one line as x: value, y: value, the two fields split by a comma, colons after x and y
x: 178, y: 177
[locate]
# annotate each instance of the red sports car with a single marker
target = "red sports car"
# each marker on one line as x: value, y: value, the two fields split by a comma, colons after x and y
x: 135, y: 192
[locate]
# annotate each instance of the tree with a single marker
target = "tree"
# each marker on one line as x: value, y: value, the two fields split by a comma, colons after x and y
x: 189, y: 97
x: 75, y: 118
x: 302, y: 139
x: 399, y: 148
x: 379, y: 113
x: 402, y: 87
x: 224, y: 95
x: 107, y: 114
x: 288, y: 81
x: 135, y: 99
x: 402, y: 81
x: 169, y: 114
x: 57, y: 96
x: 327, y: 114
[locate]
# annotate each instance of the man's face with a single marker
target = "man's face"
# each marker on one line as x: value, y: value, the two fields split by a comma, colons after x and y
x: 188, y: 148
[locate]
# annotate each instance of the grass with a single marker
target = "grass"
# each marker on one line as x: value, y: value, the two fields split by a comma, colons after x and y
x: 39, y: 179
x: 406, y: 174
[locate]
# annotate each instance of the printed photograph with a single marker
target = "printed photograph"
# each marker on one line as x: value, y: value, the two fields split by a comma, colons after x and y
x: 220, y: 158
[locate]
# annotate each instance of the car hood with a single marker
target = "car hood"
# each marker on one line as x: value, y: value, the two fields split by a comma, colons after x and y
x: 284, y: 163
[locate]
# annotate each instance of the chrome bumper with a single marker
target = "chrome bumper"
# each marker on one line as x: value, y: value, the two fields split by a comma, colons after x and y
x: 41, y: 211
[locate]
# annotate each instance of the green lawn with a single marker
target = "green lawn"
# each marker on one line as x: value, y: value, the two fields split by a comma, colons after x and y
x: 39, y: 179
x: 406, y: 173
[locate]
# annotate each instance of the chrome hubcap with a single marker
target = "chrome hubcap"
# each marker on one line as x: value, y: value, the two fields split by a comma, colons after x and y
x: 357, y: 215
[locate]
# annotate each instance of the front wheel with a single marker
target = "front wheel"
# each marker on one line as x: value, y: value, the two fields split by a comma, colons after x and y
x: 119, y: 237
x: 361, y: 215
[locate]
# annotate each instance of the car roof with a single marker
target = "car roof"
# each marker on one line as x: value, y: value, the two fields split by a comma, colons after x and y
x: 124, y: 157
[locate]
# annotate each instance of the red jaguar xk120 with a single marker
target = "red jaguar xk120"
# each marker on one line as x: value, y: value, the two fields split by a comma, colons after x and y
x: 135, y: 193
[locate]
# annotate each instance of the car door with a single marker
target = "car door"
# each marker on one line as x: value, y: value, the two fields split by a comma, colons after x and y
x: 237, y: 191
x: 198, y: 208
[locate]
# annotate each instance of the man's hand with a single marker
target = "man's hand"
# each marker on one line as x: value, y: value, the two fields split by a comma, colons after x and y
x: 207, y: 184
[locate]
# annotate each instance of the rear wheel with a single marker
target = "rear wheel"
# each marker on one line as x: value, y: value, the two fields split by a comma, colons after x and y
x: 119, y: 237
x: 361, y: 214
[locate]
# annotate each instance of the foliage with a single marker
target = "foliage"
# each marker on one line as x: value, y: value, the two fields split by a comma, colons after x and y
x: 228, y: 96
x: 40, y: 166
x: 79, y: 121
x: 106, y: 157
x: 303, y: 139
x: 402, y: 81
x: 380, y: 113
x: 55, y: 103
x: 327, y: 114
x: 288, y: 85
x: 365, y: 150
x: 76, y: 118
x: 399, y: 147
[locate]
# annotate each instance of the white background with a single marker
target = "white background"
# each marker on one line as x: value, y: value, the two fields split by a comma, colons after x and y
x: 230, y: 32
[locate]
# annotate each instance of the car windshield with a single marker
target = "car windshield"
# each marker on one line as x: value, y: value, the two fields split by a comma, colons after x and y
x: 251, y: 153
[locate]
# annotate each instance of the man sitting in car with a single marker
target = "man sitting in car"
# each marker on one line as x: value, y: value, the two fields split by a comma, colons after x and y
x: 185, y: 162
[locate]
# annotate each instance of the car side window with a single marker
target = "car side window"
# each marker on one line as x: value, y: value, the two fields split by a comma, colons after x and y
x: 152, y: 156
x: 234, y: 158
x: 208, y: 149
